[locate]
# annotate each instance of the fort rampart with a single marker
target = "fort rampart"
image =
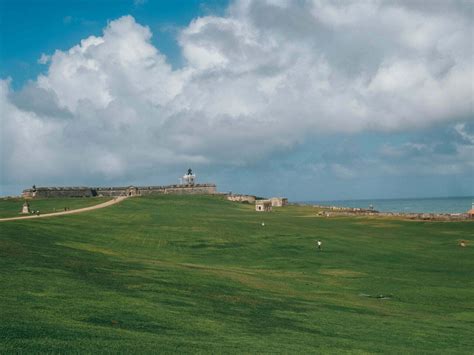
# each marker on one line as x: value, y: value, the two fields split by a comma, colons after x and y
x: 241, y: 198
x: 82, y: 191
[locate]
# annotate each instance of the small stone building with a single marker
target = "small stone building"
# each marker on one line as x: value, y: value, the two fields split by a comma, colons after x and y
x: 470, y: 213
x: 279, y: 201
x: 263, y: 205
x: 132, y: 191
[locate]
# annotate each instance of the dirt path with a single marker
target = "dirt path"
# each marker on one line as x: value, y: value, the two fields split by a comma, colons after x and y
x: 79, y: 210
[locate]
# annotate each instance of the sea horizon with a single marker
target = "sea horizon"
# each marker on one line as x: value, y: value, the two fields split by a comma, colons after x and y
x: 450, y: 204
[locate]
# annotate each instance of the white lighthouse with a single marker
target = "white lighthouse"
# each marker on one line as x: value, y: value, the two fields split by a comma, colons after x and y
x: 189, y: 178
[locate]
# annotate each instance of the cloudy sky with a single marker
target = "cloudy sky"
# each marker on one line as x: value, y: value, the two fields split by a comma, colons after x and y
x: 309, y: 99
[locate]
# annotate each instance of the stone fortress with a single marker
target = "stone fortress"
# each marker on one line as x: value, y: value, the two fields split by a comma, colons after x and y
x: 187, y: 185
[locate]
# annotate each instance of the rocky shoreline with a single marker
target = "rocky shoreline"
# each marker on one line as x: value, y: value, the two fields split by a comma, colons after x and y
x: 337, y: 211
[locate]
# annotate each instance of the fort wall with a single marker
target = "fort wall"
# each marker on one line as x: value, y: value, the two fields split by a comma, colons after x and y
x: 201, y: 189
x: 50, y: 192
x: 241, y: 198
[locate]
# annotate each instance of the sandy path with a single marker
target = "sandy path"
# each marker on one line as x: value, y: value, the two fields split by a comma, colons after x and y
x: 79, y: 210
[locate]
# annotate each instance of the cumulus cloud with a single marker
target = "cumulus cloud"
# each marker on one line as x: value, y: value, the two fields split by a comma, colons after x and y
x: 267, y: 75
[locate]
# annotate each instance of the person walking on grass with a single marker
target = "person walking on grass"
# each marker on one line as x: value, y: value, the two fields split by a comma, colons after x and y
x: 320, y: 245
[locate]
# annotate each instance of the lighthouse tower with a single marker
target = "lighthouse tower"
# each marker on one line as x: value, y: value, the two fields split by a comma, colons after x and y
x: 189, y: 178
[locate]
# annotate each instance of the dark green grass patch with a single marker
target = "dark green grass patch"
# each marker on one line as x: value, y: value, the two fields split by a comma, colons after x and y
x: 201, y: 274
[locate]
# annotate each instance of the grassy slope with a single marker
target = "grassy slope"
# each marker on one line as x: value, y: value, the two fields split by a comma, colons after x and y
x: 12, y: 207
x: 189, y: 274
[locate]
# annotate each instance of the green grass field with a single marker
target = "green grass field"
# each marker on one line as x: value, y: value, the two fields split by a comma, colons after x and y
x: 200, y: 274
x: 12, y: 207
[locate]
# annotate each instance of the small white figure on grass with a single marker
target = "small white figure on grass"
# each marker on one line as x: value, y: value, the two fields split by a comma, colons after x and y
x: 263, y: 224
x: 320, y: 245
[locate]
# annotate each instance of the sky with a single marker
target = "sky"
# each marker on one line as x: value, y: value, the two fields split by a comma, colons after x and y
x: 308, y: 99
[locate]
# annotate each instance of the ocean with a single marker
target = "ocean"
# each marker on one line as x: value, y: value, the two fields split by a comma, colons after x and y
x: 408, y: 205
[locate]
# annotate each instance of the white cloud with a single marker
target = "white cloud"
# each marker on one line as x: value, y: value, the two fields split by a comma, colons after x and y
x: 267, y: 75
x: 460, y: 128
x: 44, y: 59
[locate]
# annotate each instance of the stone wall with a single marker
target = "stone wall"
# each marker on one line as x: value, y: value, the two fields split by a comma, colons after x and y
x: 279, y: 201
x: 399, y: 215
x: 201, y: 189
x: 241, y: 198
x: 151, y: 190
x: 49, y: 192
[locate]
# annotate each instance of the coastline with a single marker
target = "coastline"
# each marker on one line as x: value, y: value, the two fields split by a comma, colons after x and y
x: 434, y: 205
x: 326, y: 210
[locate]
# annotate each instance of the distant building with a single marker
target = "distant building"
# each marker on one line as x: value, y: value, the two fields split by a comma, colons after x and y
x: 132, y: 191
x: 470, y: 213
x: 279, y: 201
x: 263, y: 205
x: 241, y: 198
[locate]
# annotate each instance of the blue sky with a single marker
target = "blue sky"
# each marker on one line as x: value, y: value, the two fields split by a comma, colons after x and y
x: 30, y: 28
x: 310, y: 100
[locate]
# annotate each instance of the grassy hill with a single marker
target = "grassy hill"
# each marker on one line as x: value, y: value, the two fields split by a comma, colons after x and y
x: 200, y: 274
